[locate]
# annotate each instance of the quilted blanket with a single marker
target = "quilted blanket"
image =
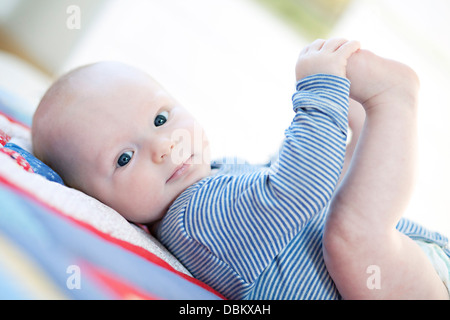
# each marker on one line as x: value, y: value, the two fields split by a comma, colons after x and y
x: 59, y: 243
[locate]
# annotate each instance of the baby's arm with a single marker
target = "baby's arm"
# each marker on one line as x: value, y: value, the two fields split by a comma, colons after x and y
x: 330, y: 57
x: 360, y: 230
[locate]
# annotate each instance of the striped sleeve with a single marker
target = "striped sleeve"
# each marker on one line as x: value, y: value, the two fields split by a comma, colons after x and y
x: 234, y: 225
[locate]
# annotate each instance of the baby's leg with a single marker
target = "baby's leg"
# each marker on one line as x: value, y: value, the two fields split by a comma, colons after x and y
x: 360, y: 240
x: 356, y: 116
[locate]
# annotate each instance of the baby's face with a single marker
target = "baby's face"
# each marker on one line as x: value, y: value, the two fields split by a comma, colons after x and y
x: 135, y: 148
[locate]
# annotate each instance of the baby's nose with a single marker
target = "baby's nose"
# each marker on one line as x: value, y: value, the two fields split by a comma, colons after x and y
x: 162, y: 149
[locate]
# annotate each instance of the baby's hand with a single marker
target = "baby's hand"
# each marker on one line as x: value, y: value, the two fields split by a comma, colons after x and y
x: 325, y: 56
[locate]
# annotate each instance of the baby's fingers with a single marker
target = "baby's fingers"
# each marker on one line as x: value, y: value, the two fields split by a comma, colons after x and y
x: 314, y: 46
x: 333, y: 44
x: 348, y: 48
x: 317, y: 45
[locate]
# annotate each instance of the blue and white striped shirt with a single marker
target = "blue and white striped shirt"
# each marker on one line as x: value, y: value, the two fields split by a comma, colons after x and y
x: 255, y: 232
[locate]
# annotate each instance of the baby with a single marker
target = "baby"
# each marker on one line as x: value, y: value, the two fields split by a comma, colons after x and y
x: 292, y: 230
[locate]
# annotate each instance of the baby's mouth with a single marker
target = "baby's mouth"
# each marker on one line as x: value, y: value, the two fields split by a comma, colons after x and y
x: 181, y: 169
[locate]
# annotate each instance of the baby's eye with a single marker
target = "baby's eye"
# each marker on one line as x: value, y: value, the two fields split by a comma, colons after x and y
x: 124, y: 158
x: 161, y: 118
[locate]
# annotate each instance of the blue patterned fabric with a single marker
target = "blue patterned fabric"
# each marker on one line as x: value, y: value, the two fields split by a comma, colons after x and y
x: 37, y: 165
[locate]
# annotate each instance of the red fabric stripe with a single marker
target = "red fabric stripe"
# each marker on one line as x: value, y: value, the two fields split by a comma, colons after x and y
x: 4, y: 138
x: 114, y: 285
x: 23, y: 125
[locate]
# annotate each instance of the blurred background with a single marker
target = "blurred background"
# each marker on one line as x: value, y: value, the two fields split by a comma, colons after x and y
x: 231, y: 62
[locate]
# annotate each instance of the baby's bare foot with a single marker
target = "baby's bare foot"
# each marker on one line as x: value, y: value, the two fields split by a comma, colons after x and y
x: 378, y: 81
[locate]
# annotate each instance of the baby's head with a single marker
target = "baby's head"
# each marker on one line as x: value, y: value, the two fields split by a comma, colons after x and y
x: 114, y: 133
